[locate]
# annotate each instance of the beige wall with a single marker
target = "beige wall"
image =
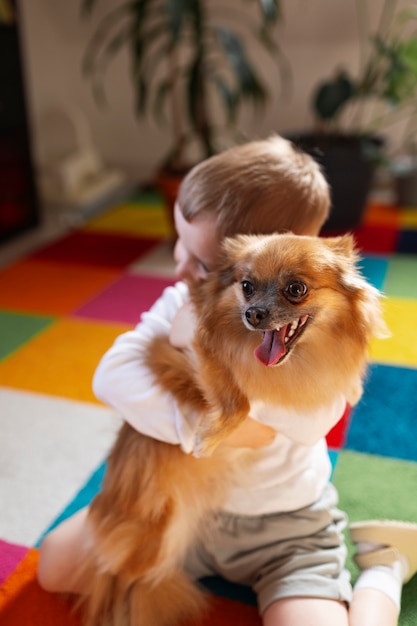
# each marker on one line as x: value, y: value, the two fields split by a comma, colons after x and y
x: 316, y: 34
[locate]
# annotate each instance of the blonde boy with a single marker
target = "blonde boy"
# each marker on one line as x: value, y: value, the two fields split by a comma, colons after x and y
x: 260, y: 187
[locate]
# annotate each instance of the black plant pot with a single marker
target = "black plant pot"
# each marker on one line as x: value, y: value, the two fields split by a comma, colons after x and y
x: 348, y: 163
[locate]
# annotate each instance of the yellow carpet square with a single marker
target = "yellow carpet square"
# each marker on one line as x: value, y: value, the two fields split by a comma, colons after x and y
x: 409, y: 219
x: 129, y: 219
x: 61, y: 360
x: 401, y: 347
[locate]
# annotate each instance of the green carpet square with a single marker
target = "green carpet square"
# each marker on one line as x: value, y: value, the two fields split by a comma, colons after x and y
x: 374, y: 487
x: 400, y: 280
x: 16, y: 329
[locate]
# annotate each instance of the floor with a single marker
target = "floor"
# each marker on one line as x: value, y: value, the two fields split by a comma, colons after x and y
x: 54, y: 433
x: 66, y: 293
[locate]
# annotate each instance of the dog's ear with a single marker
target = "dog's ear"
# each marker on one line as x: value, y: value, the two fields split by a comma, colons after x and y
x: 344, y: 245
x: 232, y: 252
x: 347, y: 258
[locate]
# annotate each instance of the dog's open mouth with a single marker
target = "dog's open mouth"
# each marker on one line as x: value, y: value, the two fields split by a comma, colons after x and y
x: 276, y: 343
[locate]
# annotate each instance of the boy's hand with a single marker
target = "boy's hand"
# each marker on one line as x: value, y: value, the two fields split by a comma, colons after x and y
x: 250, y: 434
x: 183, y: 328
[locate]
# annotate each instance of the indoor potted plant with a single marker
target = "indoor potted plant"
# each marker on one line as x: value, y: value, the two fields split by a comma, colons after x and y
x: 403, y: 164
x: 189, y: 61
x: 352, y: 112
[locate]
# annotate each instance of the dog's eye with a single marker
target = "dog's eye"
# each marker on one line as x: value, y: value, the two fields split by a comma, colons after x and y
x: 248, y: 289
x: 296, y: 289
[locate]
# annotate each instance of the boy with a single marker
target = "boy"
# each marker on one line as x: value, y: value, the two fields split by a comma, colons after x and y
x: 299, y: 576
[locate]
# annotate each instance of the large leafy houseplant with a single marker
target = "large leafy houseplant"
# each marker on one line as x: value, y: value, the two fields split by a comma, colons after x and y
x: 352, y: 112
x: 385, y: 88
x: 190, y: 64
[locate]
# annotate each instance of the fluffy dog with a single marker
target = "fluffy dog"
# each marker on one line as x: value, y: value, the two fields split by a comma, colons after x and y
x: 284, y: 319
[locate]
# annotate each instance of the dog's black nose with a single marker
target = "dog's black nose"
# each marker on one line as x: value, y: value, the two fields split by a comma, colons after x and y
x: 255, y: 315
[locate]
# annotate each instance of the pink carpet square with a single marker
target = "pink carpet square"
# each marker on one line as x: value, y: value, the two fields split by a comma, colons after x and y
x: 10, y: 557
x: 125, y: 299
x: 96, y: 249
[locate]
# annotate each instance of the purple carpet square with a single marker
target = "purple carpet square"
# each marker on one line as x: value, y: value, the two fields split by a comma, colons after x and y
x: 96, y: 249
x: 10, y: 557
x: 125, y: 299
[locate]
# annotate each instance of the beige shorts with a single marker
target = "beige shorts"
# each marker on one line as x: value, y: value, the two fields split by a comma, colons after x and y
x: 284, y: 555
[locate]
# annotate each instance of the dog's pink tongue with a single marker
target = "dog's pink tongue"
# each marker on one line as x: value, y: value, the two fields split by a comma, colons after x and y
x: 272, y: 348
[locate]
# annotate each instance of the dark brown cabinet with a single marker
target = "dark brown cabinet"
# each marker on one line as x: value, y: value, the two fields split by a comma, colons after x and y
x: 18, y: 201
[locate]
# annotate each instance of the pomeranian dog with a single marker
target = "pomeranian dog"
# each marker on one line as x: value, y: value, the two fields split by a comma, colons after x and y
x: 284, y: 319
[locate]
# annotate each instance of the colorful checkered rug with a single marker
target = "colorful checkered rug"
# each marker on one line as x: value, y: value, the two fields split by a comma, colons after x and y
x: 61, y: 308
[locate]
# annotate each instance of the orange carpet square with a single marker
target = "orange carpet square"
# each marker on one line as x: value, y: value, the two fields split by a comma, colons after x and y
x: 382, y: 214
x: 24, y: 603
x: 52, y: 288
x: 61, y: 360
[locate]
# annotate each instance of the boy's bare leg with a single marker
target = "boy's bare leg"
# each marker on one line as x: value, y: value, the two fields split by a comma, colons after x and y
x: 371, y: 607
x: 62, y: 553
x: 306, y: 612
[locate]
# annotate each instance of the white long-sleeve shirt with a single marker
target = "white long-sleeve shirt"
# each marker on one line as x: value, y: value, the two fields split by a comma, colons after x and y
x: 287, y: 475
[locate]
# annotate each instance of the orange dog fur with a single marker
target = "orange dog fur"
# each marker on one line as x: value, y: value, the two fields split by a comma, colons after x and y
x: 284, y: 319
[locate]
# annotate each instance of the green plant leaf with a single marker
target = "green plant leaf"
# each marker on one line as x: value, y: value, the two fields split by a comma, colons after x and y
x: 271, y: 10
x: 408, y: 53
x: 249, y: 84
x: 195, y: 92
x: 406, y: 14
x: 164, y: 88
x: 399, y: 77
x: 331, y: 96
x: 228, y: 96
x: 87, y: 7
x: 101, y: 35
x: 176, y: 14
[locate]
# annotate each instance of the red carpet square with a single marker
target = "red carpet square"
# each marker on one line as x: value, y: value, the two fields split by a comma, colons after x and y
x: 96, y: 249
x: 377, y: 239
x: 337, y: 436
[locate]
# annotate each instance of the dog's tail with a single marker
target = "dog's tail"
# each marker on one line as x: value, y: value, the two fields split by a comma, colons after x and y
x: 112, y: 602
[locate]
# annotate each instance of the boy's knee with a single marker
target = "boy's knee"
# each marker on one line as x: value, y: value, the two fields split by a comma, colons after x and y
x: 47, y: 568
x: 62, y: 554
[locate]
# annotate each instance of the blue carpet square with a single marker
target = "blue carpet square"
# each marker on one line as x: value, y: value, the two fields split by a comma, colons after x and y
x: 374, y: 269
x: 81, y: 500
x: 407, y: 242
x: 382, y: 422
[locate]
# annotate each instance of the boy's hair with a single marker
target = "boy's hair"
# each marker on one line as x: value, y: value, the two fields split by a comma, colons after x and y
x: 258, y: 188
